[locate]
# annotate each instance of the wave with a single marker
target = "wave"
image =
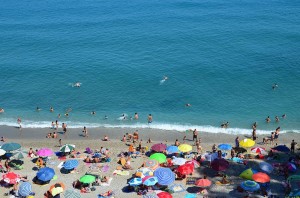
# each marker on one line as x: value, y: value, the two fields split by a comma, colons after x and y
x: 160, y: 126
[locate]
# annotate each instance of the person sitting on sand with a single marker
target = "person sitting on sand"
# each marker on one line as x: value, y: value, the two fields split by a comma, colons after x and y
x: 177, y: 143
x: 105, y: 138
x: 40, y: 162
x: 84, y: 189
x: 54, y: 135
x: 127, y: 164
x: 88, y: 159
x: 3, y: 139
x: 232, y: 153
x: 105, y: 179
x: 77, y: 184
x: 224, y: 180
x: 124, y: 138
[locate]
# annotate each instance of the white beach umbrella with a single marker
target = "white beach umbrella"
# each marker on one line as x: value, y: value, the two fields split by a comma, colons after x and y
x: 67, y: 148
x: 178, y: 161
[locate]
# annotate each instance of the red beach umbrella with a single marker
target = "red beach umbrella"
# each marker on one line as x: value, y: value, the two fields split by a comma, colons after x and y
x: 11, y: 178
x: 164, y: 195
x: 258, y: 150
x: 186, y: 169
x: 159, y: 147
x: 261, y: 177
x: 203, y: 183
x: 220, y: 164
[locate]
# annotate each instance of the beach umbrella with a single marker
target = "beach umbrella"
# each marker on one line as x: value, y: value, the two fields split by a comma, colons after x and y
x: 203, y: 183
x: 72, y: 194
x: 164, y: 176
x: 291, y: 167
x: 87, y: 179
x: 159, y: 147
x: 195, y: 163
x: 143, y: 172
x: 225, y: 147
x: 282, y: 148
x: 70, y: 164
x: 161, y: 158
x: 239, y: 149
x: 57, y: 189
x: 293, y: 178
x: 11, y: 178
x: 45, y: 152
x: 164, y: 195
x: 25, y: 189
x: 11, y: 146
x: 247, y: 142
x: 151, y: 163
x: 20, y: 154
x: 67, y: 148
x: 135, y: 181
x: 185, y: 169
x: 185, y: 148
x: 2, y: 152
x: 172, y: 149
x: 45, y: 174
x: 178, y: 160
x: 250, y: 186
x: 261, y: 177
x: 220, y: 164
x: 259, y: 150
x: 247, y: 174
x: 265, y: 166
x: 149, y: 180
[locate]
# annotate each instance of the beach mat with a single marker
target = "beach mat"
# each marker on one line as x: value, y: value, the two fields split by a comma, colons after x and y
x: 177, y: 188
x: 120, y: 172
x: 191, y: 180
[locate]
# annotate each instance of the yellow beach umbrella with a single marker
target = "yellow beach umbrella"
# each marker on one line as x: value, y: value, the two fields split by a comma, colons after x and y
x: 185, y: 147
x: 247, y: 142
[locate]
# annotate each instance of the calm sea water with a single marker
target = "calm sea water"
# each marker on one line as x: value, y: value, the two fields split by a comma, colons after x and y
x: 220, y: 56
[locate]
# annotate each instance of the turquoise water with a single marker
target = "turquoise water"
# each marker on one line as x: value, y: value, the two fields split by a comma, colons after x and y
x: 222, y: 57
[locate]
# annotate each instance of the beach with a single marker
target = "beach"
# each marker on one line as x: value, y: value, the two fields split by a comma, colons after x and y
x: 36, y: 138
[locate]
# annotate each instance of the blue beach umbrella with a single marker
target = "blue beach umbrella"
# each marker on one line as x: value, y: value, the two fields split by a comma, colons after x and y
x: 282, y: 148
x: 265, y: 166
x: 135, y: 181
x: 164, y: 176
x: 172, y: 149
x: 249, y: 185
x: 71, y: 164
x: 11, y: 146
x: 149, y: 180
x: 225, y: 147
x: 45, y: 174
x: 25, y: 189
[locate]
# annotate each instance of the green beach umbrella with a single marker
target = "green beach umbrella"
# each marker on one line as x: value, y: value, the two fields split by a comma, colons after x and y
x: 67, y: 148
x: 161, y: 158
x: 20, y: 154
x: 87, y: 179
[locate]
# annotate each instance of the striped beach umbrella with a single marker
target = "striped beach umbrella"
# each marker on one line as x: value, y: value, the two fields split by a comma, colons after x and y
x: 164, y: 176
x: 45, y: 174
x: 67, y: 148
x: 185, y: 148
x: 11, y: 178
x: 172, y: 149
x: 72, y: 194
x: 10, y: 146
x: 151, y: 163
x: 259, y: 150
x: 70, y: 164
x: 2, y: 152
x: 161, y: 158
x: 25, y: 189
x: 45, y: 152
x: 135, y: 181
x: 249, y: 185
x: 20, y: 154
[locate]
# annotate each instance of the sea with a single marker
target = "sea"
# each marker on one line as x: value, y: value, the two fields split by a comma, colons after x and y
x: 221, y: 57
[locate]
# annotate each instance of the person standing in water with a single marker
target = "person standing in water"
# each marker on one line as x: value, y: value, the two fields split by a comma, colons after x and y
x: 268, y: 119
x: 150, y: 118
x: 276, y: 119
x: 136, y: 116
x: 19, y: 121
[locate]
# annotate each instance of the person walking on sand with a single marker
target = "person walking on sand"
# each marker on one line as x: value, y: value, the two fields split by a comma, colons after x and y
x: 195, y: 134
x: 64, y: 127
x: 293, y: 144
x: 56, y: 124
x: 254, y: 135
x: 59, y: 142
x: 85, y: 132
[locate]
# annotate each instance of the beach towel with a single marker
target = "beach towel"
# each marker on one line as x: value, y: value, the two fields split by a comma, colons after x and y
x: 191, y: 180
x: 120, y: 172
x: 105, y: 168
x: 107, y: 183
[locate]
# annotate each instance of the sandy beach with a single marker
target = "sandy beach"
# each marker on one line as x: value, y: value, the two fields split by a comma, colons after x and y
x: 36, y: 138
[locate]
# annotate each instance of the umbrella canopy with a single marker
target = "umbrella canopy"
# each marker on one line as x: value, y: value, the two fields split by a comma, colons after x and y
x: 164, y: 175
x: 45, y: 152
x: 159, y: 147
x: 247, y: 142
x: 2, y: 152
x: 203, y: 182
x: 164, y: 195
x: 11, y: 178
x: 186, y: 169
x: 247, y: 174
x: 67, y: 148
x: 240, y: 149
x: 250, y: 185
x: 178, y: 160
x: 143, y: 172
x: 291, y: 167
x: 87, y: 179
x: 151, y: 163
x: 20, y: 154
x: 11, y: 146
x: 72, y: 194
x: 293, y: 178
x: 25, y: 189
x: 225, y: 147
x: 261, y: 177
x: 57, y: 188
x: 70, y: 164
x: 185, y: 147
x: 282, y: 148
x: 172, y: 149
x: 195, y: 163
x: 265, y: 166
x: 220, y: 164
x: 161, y: 158
x: 259, y: 150
x: 45, y: 174
x: 135, y: 181
x: 149, y: 180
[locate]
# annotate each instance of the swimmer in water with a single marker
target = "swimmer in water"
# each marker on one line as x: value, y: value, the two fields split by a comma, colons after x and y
x: 51, y: 109
x: 188, y: 105
x: 77, y: 84
x: 164, y: 79
x: 276, y: 118
x: 274, y: 86
x: 93, y: 112
x: 283, y: 116
x: 268, y: 119
x: 105, y: 117
x: 38, y: 109
x: 1, y: 110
